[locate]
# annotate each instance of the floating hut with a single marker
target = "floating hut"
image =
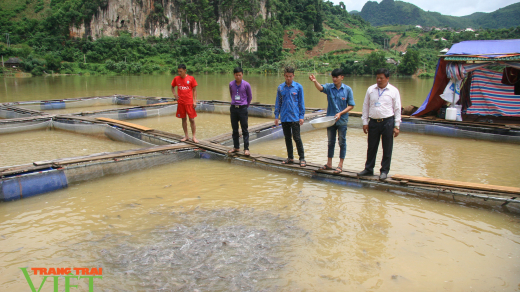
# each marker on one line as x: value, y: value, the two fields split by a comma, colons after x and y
x: 470, y: 98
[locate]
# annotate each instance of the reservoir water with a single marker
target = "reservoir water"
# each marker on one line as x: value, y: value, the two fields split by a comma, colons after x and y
x: 219, y: 226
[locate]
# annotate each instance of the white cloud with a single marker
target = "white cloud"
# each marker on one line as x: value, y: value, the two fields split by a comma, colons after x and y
x: 447, y: 7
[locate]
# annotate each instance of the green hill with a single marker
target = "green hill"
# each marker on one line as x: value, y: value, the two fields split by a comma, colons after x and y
x: 502, y: 18
x: 390, y: 12
x: 311, y: 35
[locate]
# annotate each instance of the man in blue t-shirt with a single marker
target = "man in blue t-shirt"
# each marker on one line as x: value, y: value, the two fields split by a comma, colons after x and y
x: 290, y: 109
x: 340, y: 100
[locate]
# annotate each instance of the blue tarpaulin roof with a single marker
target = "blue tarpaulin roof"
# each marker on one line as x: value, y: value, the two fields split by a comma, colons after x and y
x: 486, y: 47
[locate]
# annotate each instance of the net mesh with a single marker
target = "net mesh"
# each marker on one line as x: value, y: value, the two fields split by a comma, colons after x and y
x: 84, y: 172
x: 100, y: 130
x: 6, y: 128
x: 137, y: 113
x: 10, y: 114
x: 51, y: 104
x: 456, y: 133
x: 254, y: 111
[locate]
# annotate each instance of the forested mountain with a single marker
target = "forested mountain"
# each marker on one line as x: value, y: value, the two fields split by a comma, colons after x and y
x: 147, y: 35
x: 154, y: 36
x: 235, y: 26
x: 390, y: 12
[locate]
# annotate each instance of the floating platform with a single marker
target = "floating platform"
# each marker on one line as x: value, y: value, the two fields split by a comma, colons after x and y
x: 22, y: 181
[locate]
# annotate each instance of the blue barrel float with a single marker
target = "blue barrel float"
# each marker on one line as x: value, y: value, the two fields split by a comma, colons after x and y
x: 154, y: 101
x: 133, y: 113
x: 52, y: 104
x: 125, y: 100
x: 351, y: 184
x: 257, y: 111
x: 32, y: 184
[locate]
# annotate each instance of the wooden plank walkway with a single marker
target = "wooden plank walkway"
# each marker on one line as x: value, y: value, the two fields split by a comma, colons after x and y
x: 457, y: 184
x: 131, y: 125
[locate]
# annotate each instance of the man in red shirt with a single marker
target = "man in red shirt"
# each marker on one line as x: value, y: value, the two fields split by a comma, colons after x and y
x: 187, y: 100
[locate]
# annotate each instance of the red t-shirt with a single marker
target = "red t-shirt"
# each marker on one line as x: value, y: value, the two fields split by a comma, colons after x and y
x: 184, y: 88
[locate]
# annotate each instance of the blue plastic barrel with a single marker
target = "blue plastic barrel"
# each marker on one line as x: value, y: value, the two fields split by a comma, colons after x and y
x: 441, y: 131
x: 50, y: 105
x: 122, y: 100
x: 29, y: 185
x: 135, y: 113
x: 154, y: 101
x: 205, y: 155
x: 351, y: 184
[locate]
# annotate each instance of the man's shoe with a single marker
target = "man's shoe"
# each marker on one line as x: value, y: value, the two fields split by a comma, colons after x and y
x: 365, y: 173
x: 383, y: 176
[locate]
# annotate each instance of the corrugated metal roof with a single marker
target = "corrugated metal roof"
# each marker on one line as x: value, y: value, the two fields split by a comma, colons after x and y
x: 461, y: 58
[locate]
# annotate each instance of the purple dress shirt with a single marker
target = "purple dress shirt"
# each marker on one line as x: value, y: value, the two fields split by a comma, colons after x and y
x: 244, y: 90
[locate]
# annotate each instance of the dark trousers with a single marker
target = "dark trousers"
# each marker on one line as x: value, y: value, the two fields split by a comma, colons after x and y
x: 239, y: 115
x: 383, y: 131
x: 293, y: 129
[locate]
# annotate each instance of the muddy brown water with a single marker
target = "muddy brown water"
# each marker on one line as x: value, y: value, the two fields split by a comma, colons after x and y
x: 203, y: 215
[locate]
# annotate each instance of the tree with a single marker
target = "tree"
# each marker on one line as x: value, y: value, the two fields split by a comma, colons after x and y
x: 410, y: 62
x: 374, y: 61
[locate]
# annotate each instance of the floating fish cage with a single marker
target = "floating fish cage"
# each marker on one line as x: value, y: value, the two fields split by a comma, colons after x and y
x: 159, y: 147
x: 487, y: 133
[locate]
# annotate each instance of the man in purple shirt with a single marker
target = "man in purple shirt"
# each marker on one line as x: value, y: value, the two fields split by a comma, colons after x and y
x: 241, y: 97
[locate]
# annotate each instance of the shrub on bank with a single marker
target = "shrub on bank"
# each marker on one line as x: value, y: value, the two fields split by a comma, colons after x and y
x: 426, y: 75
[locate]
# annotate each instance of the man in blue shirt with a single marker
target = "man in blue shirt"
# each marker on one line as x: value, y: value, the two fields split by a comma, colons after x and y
x: 340, y: 100
x: 290, y: 109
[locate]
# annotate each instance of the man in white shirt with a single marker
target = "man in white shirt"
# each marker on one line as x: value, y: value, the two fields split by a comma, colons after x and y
x: 381, y: 119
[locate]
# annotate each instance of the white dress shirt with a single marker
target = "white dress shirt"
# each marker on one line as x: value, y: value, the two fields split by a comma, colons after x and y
x: 382, y: 103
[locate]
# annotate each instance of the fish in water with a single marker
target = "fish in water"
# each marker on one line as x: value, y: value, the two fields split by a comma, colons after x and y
x: 225, y: 249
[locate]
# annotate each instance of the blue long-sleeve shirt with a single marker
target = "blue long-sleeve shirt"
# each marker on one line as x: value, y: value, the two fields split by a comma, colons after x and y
x: 338, y: 100
x: 289, y: 106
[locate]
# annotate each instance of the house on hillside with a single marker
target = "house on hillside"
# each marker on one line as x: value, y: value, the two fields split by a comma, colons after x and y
x: 444, y: 51
x: 469, y: 29
x: 418, y: 26
x: 392, y: 61
x: 13, y: 62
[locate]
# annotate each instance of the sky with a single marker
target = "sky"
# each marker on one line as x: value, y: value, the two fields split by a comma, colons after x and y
x: 447, y: 7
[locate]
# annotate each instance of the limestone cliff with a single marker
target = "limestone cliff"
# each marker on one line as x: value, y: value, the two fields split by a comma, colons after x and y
x: 165, y: 18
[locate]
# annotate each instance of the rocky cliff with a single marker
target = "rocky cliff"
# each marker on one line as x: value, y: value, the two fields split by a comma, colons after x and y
x: 164, y: 18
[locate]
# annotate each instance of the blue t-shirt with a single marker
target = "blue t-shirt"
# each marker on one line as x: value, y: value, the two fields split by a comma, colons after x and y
x: 338, y: 100
x: 289, y: 102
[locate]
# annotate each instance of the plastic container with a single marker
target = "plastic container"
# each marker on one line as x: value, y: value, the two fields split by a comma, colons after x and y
x: 459, y: 110
x: 451, y: 114
x: 323, y: 122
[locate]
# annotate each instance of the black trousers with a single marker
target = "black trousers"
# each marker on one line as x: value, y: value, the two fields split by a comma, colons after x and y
x: 239, y: 115
x: 293, y: 129
x: 383, y: 131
